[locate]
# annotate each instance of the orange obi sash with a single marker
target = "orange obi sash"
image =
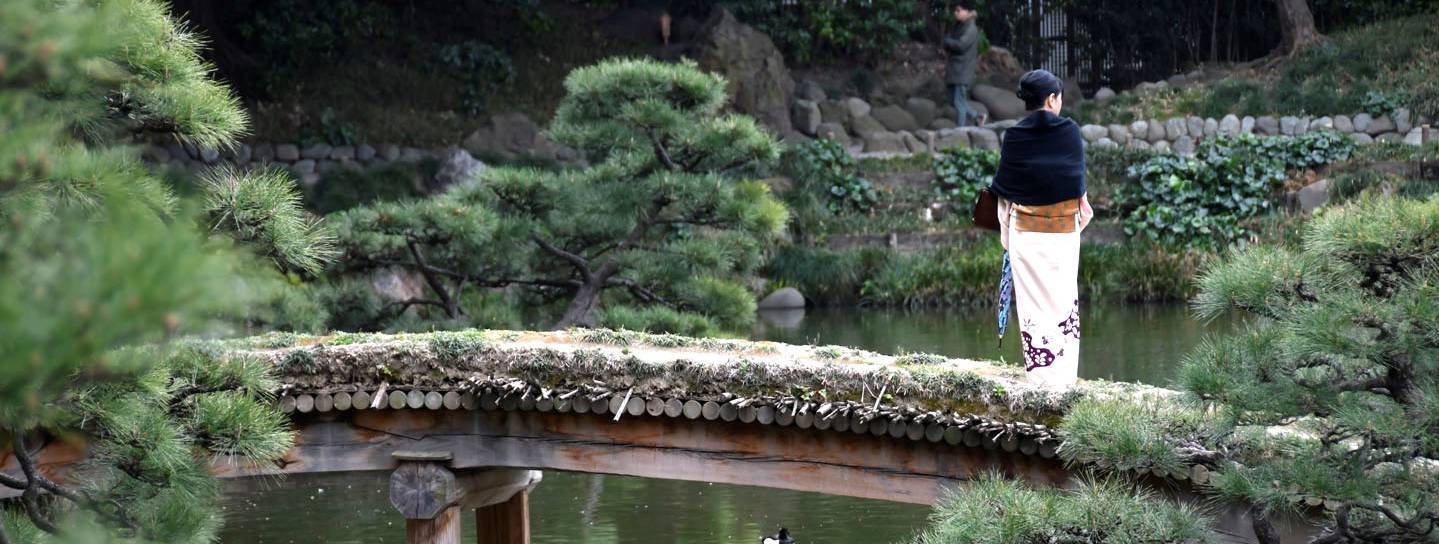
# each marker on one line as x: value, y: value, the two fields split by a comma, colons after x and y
x: 1057, y: 218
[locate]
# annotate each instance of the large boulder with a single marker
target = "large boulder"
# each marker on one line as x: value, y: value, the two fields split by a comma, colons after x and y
x: 1267, y: 125
x: 914, y: 143
x: 809, y: 90
x: 834, y: 111
x: 805, y: 116
x: 1230, y: 125
x: 1000, y: 103
x: 1314, y: 195
x: 999, y: 67
x: 924, y: 110
x: 753, y: 66
x: 1380, y: 125
x: 895, y: 118
x: 857, y: 107
x: 950, y: 138
x: 982, y: 138
x: 506, y: 135
x: 456, y: 167
x: 866, y: 125
x: 884, y: 142
x: 1092, y: 133
x: 782, y: 299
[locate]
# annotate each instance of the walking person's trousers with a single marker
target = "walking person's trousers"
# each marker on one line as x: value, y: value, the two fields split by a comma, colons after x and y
x: 960, y: 95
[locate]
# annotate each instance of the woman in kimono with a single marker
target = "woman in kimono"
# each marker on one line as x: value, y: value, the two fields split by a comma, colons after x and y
x: 1042, y: 209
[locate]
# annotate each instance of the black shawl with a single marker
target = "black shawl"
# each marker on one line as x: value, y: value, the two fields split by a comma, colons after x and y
x: 1041, y: 161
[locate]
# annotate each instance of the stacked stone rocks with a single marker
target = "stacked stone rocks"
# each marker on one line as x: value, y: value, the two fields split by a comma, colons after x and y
x: 918, y: 125
x: 308, y: 163
x: 1181, y: 134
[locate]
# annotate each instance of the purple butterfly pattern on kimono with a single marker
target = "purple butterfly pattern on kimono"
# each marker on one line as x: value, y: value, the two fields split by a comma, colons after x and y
x: 1035, y: 357
x: 1070, y: 325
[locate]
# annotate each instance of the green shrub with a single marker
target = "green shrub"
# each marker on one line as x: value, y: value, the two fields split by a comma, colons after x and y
x: 481, y: 67
x: 1381, y: 102
x: 1140, y: 272
x: 656, y: 319
x: 1106, y: 170
x: 826, y: 276
x: 994, y: 509
x: 959, y: 174
x: 288, y: 34
x: 824, y: 164
x: 814, y: 31
x: 954, y: 276
x: 1201, y: 201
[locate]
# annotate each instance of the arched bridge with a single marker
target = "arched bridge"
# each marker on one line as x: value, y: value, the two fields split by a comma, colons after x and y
x: 829, y: 419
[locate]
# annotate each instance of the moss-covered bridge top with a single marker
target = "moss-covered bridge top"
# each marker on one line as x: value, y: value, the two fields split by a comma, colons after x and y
x: 596, y: 365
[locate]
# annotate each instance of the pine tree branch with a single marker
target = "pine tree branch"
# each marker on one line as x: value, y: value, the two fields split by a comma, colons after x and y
x: 639, y: 291
x: 580, y: 263
x: 661, y: 153
x: 429, y: 274
x: 30, y: 496
x: 436, y: 269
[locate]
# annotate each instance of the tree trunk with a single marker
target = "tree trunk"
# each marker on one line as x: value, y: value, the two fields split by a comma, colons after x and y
x: 581, y: 309
x: 1296, y: 24
x: 1264, y: 531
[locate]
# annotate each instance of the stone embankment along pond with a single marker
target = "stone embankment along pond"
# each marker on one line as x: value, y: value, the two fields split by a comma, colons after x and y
x: 618, y: 374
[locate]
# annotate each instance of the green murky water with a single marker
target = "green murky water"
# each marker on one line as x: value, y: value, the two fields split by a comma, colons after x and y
x: 1137, y: 343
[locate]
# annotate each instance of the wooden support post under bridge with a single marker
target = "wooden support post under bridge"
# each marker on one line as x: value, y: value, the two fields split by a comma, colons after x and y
x: 431, y: 497
x: 504, y: 523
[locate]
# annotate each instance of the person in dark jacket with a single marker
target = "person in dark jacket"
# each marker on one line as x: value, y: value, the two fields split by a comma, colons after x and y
x: 962, y: 45
x: 1042, y: 209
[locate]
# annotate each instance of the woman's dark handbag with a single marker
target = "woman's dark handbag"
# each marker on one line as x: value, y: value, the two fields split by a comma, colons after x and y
x: 986, y: 211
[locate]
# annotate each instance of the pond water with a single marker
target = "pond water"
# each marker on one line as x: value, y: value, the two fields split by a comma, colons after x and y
x: 1143, y: 343
x: 1136, y: 343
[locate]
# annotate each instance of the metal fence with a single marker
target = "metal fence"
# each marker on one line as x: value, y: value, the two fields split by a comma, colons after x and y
x: 1122, y: 42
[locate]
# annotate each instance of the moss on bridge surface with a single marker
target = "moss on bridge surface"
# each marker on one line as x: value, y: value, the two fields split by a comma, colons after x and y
x: 669, y: 366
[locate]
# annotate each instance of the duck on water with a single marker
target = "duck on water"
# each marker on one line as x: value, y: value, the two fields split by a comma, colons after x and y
x: 782, y: 537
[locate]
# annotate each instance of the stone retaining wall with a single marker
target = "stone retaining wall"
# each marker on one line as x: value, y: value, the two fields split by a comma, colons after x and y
x: 1180, y: 134
x: 1177, y: 134
x: 308, y: 163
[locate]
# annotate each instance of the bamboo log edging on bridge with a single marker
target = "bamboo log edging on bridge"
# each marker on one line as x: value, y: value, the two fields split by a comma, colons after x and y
x: 914, y: 425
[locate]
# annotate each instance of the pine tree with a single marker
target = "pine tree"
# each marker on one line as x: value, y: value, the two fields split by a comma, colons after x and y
x: 101, y: 268
x: 660, y: 214
x: 1343, y: 355
x: 663, y: 225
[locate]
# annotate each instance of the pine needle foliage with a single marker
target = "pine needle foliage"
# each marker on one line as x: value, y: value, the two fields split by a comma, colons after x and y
x: 997, y: 510
x: 1346, y: 354
x: 263, y: 209
x: 100, y: 269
